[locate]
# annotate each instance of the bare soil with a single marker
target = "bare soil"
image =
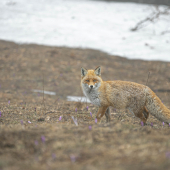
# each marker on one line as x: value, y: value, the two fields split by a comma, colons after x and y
x: 32, y: 136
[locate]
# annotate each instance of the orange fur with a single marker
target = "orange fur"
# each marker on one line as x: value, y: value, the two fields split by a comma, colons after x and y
x: 138, y: 98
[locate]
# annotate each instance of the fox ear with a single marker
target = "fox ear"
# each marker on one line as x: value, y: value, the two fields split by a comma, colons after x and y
x: 83, y: 72
x: 98, y: 71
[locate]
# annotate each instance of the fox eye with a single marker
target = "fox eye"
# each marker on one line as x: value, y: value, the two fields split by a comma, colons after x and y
x: 94, y: 80
x: 87, y: 80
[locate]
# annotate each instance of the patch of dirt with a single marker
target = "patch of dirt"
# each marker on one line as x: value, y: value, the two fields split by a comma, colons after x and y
x: 38, y: 132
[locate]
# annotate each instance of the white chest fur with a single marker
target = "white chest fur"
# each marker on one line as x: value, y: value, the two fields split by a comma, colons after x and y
x: 92, y: 95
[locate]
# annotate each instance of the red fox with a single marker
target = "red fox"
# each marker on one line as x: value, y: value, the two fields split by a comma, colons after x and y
x: 138, y: 98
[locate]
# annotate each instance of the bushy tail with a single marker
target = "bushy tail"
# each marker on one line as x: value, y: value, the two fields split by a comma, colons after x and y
x: 156, y: 108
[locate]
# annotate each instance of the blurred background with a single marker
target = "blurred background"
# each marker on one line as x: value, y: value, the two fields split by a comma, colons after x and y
x: 43, y: 45
x: 128, y: 29
x: 48, y: 41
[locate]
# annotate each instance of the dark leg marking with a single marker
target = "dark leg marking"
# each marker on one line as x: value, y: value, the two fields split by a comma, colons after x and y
x: 107, y: 114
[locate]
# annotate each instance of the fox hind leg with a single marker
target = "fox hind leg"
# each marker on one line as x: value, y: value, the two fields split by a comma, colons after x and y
x: 107, y: 114
x: 146, y: 113
x: 143, y: 114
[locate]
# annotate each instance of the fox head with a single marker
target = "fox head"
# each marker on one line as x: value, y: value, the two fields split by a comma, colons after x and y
x: 91, y: 79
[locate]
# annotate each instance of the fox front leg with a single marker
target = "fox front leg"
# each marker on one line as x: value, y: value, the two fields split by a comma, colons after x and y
x: 107, y: 114
x: 101, y: 112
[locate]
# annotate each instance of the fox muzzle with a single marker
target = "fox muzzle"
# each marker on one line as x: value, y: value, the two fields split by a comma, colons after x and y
x: 91, y: 86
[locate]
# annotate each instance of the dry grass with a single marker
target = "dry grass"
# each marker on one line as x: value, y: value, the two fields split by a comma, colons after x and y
x: 46, y: 142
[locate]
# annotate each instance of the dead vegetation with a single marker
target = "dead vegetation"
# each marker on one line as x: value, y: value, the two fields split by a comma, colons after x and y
x: 39, y: 132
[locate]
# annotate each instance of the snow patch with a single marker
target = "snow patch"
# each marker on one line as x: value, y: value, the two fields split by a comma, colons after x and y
x: 86, y: 24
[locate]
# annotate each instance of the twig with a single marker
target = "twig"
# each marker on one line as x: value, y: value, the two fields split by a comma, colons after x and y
x: 43, y: 93
x: 147, y: 79
x: 43, y: 88
x: 146, y: 85
x: 154, y: 17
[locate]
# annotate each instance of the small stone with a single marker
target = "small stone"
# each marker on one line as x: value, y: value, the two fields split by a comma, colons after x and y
x: 113, y: 113
x: 47, y: 118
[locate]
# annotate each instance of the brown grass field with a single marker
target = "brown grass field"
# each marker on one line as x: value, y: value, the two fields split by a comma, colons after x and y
x: 31, y: 134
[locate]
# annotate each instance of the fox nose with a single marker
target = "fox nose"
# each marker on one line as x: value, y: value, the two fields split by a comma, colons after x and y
x: 91, y: 86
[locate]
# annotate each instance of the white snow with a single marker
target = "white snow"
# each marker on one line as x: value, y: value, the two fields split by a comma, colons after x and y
x: 45, y: 92
x: 78, y: 99
x: 86, y: 24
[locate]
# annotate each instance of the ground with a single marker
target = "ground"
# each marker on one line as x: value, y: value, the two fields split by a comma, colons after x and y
x: 38, y: 132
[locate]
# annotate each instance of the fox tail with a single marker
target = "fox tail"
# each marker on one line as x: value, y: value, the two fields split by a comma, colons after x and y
x: 156, y: 108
